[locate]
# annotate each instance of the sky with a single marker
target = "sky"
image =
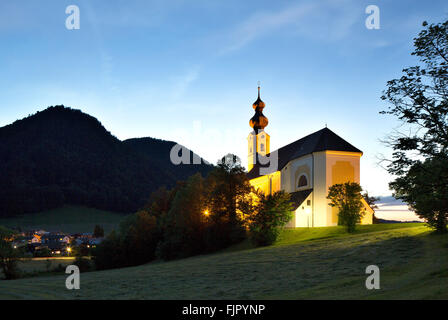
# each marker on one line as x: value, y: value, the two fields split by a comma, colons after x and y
x: 187, y: 71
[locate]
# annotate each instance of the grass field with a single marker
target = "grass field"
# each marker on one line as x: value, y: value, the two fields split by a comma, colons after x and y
x: 68, y: 219
x: 37, y: 265
x: 319, y: 263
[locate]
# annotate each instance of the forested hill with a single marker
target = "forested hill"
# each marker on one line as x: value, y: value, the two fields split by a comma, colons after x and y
x: 63, y: 156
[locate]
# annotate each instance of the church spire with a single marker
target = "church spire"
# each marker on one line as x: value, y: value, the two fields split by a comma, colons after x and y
x: 258, y: 121
x: 258, y: 140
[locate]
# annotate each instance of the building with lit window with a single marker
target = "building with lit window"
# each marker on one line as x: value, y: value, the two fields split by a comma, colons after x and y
x: 305, y: 168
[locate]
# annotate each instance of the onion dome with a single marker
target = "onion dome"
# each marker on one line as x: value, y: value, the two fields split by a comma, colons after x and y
x: 258, y: 121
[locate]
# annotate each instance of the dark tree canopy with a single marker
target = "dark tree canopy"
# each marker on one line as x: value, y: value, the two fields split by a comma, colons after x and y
x: 98, y: 231
x: 420, y: 100
x: 196, y: 216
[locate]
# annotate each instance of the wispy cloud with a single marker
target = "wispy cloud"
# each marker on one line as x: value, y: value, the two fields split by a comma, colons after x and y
x: 182, y: 82
x: 262, y: 23
x: 326, y: 20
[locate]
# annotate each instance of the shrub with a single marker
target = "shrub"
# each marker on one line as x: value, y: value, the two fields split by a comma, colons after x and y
x: 83, y: 264
x: 8, y: 255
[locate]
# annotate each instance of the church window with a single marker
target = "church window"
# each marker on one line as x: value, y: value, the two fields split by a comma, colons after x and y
x: 303, y: 181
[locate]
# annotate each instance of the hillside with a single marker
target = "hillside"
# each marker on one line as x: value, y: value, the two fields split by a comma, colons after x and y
x: 62, y: 156
x: 318, y: 263
x: 67, y: 219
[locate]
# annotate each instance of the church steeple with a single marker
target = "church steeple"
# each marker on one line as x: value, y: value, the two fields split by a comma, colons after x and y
x: 258, y: 140
x: 258, y: 121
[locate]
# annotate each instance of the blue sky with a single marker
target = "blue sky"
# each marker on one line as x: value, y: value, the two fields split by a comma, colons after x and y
x: 187, y: 70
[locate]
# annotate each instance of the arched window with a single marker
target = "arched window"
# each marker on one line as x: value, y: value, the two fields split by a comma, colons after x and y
x: 262, y: 147
x: 303, y: 181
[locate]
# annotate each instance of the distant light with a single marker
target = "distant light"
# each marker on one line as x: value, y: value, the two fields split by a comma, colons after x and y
x: 206, y: 213
x: 308, y: 211
x: 69, y: 249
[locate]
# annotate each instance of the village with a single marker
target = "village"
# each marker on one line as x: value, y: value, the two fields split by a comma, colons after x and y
x: 42, y: 243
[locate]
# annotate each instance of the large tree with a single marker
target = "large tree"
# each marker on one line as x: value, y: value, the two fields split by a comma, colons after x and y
x: 228, y: 196
x: 420, y: 100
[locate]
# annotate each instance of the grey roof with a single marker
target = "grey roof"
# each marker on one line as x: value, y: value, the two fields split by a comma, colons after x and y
x: 298, y: 197
x: 321, y: 140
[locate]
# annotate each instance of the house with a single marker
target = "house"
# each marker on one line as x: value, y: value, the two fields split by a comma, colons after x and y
x: 36, y: 238
x: 54, y: 247
x: 305, y: 168
x: 56, y: 237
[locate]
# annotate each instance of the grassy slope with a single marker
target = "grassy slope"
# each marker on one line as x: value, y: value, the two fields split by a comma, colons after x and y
x: 321, y: 263
x: 69, y: 219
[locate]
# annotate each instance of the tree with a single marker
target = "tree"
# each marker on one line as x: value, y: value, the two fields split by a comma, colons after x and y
x: 229, y: 187
x: 133, y: 244
x: 183, y: 226
x: 228, y: 194
x: 98, y: 231
x: 347, y: 198
x: 160, y: 201
x: 270, y: 215
x: 428, y: 200
x: 371, y: 201
x: 8, y: 255
x: 197, y: 216
x: 420, y: 100
x: 110, y: 253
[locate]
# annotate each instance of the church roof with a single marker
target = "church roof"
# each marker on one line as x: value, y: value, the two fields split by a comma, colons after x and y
x: 322, y: 140
x: 298, y: 197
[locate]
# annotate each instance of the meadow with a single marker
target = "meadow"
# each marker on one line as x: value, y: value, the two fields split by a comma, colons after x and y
x: 315, y: 263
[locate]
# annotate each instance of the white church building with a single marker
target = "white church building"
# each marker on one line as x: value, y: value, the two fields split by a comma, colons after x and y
x: 305, y: 168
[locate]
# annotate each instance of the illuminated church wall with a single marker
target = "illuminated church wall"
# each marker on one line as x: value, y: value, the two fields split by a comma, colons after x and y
x: 294, y: 170
x: 268, y: 184
x: 303, y: 216
x: 317, y: 170
x: 320, y: 190
x: 341, y: 167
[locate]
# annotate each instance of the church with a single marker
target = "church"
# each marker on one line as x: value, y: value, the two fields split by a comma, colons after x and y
x: 305, y: 168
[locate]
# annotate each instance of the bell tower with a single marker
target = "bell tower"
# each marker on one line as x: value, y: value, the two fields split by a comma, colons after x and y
x: 258, y: 140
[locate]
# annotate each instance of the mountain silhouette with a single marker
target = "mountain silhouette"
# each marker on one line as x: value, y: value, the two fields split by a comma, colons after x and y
x: 63, y: 156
